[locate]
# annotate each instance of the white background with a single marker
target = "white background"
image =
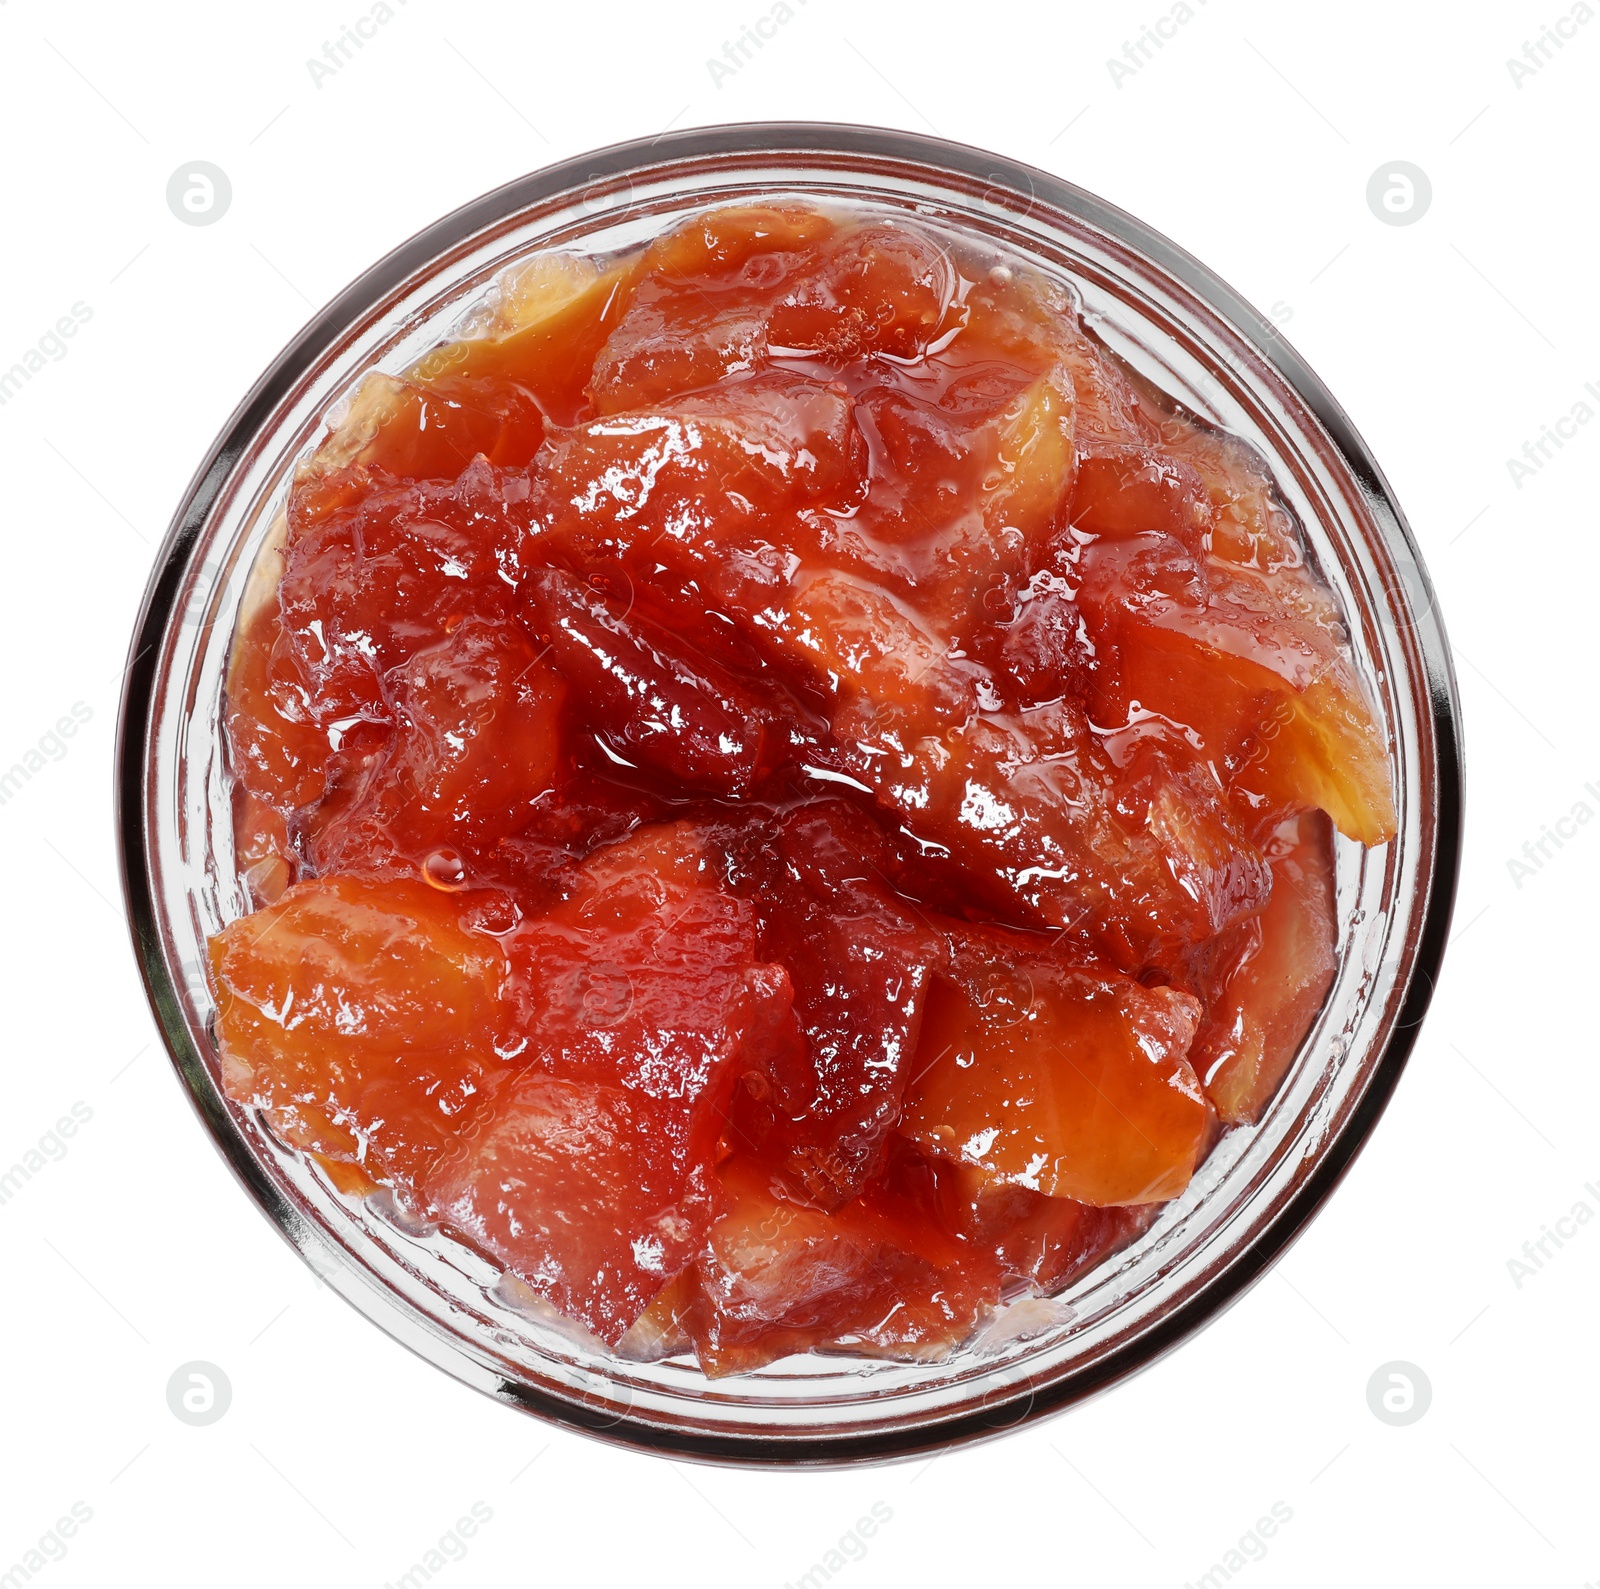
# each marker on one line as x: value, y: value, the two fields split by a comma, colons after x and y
x: 1249, y: 139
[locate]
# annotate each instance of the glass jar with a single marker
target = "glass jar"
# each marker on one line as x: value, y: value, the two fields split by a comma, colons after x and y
x: 1177, y: 324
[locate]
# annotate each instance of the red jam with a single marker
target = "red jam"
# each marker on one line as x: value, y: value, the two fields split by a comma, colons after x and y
x: 790, y: 797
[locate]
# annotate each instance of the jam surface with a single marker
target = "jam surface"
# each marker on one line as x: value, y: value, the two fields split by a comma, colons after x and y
x: 789, y: 798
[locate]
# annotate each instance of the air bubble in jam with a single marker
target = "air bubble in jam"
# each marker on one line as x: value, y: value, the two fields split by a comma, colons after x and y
x: 790, y: 798
x: 445, y: 869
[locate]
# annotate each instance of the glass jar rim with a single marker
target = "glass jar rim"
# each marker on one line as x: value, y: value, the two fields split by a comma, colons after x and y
x: 1017, y: 187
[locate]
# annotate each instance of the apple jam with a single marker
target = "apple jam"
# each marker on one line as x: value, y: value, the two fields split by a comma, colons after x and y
x: 790, y: 797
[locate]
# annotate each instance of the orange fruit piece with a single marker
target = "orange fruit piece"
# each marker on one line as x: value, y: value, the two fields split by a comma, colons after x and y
x: 1069, y: 1081
x: 362, y: 1016
x: 779, y: 1277
x: 1271, y: 975
x: 477, y: 738
x: 638, y: 1000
